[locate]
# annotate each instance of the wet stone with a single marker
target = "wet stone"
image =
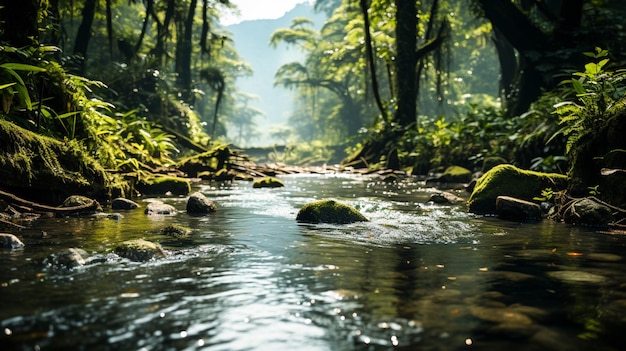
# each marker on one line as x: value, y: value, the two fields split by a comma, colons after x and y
x: 121, y: 203
x: 159, y: 208
x: 10, y: 241
x: 69, y: 258
x: 577, y: 277
x: 500, y: 315
x: 199, y: 204
x: 139, y: 250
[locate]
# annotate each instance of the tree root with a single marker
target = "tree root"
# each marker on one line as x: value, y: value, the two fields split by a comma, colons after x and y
x: 29, y: 206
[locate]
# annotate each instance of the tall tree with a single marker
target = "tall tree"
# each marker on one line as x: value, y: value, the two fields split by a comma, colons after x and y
x: 84, y: 31
x: 406, y: 61
x: 548, y: 37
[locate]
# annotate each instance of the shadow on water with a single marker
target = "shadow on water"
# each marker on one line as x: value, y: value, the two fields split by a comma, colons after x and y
x: 248, y: 277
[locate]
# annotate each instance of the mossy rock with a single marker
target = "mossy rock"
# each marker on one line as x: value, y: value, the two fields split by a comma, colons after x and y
x: 268, y: 182
x: 176, y: 231
x: 508, y: 180
x: 456, y: 174
x: 139, y: 250
x: 47, y: 170
x: 159, y: 185
x: 329, y: 211
x: 87, y: 204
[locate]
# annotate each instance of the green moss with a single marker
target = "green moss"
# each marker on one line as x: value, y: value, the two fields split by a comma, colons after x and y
x: 139, y: 250
x: 160, y: 184
x: 511, y: 181
x: 268, y: 182
x: 36, y: 166
x: 456, y: 174
x: 329, y: 211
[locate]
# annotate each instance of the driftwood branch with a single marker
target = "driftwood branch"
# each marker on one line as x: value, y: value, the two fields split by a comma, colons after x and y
x: 19, y: 202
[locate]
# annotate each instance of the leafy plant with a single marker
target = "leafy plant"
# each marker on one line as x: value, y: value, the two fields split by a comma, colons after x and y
x: 598, y: 92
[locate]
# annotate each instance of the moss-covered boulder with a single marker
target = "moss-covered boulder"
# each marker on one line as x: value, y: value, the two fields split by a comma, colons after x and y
x: 82, y: 204
x: 139, y: 250
x: 161, y: 184
x: 176, y: 231
x: 329, y: 211
x: 453, y: 174
x: 268, y: 182
x: 508, y: 180
x: 46, y: 170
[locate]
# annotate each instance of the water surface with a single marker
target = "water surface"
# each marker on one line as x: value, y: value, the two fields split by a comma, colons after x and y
x: 417, y: 276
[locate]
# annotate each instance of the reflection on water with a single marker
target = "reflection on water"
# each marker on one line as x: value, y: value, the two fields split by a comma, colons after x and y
x: 417, y: 276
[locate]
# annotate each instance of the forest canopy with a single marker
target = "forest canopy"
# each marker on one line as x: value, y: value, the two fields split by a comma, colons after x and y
x: 410, y: 85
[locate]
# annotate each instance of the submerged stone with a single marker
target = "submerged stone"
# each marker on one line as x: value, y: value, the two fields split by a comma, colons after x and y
x: 508, y: 180
x: 500, y: 315
x: 139, y: 250
x: 329, y: 211
x: 577, y: 277
x: 68, y: 258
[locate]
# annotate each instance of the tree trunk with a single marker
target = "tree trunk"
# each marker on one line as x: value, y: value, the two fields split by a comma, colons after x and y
x: 183, y: 53
x: 406, y: 46
x: 84, y: 31
x: 371, y: 62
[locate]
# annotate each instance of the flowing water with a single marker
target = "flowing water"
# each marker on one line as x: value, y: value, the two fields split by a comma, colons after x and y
x: 417, y: 276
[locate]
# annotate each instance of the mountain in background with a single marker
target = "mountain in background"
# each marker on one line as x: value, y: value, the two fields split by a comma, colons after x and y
x: 251, y: 39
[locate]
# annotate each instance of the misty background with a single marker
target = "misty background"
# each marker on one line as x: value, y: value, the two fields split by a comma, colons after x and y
x: 251, y: 39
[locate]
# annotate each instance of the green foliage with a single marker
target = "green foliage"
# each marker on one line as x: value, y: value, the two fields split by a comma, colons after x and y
x: 315, y: 152
x: 593, y: 97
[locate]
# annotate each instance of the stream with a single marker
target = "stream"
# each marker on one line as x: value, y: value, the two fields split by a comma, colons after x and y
x: 417, y: 276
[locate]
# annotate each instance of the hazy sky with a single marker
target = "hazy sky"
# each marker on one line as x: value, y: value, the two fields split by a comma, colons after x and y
x: 259, y: 9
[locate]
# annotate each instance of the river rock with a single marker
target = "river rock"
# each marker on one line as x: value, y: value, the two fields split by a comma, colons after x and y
x: 90, y: 205
x: 200, y: 204
x: 500, y: 315
x: 159, y: 185
x: 68, y: 258
x: 10, y: 241
x: 176, y: 231
x: 508, y: 180
x: 139, y: 250
x: 159, y: 208
x: 268, y: 182
x: 329, y: 211
x: 588, y: 212
x: 123, y: 204
x: 445, y: 197
x: 508, y: 207
x: 453, y: 174
x: 577, y: 277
